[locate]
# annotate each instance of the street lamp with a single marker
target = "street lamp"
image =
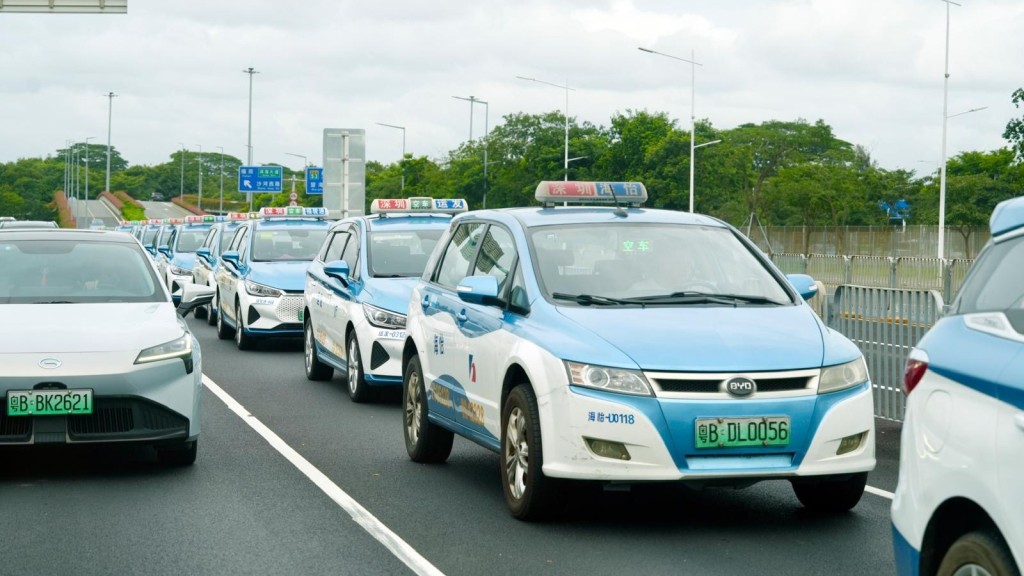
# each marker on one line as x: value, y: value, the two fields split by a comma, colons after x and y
x: 472, y: 101
x: 87, y: 166
x: 110, y: 113
x: 221, y: 148
x: 182, y: 193
x: 199, y: 202
x: 693, y: 116
x: 401, y: 164
x: 250, y: 72
x: 304, y: 164
x: 567, y: 89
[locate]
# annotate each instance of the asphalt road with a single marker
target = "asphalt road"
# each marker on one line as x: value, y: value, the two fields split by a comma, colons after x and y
x: 164, y: 210
x: 244, y: 508
x: 86, y: 210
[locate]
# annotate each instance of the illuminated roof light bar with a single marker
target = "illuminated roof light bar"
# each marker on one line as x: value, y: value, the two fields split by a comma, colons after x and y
x: 293, y: 212
x: 630, y: 193
x: 418, y: 204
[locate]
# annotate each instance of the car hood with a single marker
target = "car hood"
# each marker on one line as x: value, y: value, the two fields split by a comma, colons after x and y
x: 86, y: 327
x: 389, y: 293
x: 287, y: 276
x: 705, y: 339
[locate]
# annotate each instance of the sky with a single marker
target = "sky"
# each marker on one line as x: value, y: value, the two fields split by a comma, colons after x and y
x: 871, y: 69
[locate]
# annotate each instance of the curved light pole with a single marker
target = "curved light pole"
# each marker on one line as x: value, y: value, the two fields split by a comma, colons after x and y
x: 221, y: 209
x: 182, y: 192
x: 401, y: 165
x: 565, y: 166
x: 87, y: 166
x: 110, y: 114
x: 693, y: 117
x: 474, y: 100
x: 199, y: 202
x: 250, y: 72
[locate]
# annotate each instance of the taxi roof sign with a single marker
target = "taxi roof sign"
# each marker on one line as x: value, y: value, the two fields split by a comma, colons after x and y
x: 631, y: 193
x: 418, y: 204
x: 293, y: 212
x: 243, y: 215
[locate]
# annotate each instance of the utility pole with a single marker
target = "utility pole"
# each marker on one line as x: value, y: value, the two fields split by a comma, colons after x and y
x: 110, y: 112
x: 250, y: 72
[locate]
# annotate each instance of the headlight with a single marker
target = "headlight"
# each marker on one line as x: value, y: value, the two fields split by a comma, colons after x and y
x: 177, y: 271
x: 610, y: 379
x: 178, y: 348
x: 383, y: 318
x: 261, y: 290
x: 843, y: 376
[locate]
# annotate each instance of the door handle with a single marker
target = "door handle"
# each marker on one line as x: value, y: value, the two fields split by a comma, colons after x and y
x: 425, y: 303
x: 461, y: 317
x: 1018, y: 419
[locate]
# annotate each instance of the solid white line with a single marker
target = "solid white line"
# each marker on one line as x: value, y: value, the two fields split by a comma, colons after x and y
x: 402, y: 550
x: 879, y: 492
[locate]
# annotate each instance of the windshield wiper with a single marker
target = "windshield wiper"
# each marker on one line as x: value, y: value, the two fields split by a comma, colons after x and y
x: 704, y: 298
x: 592, y: 299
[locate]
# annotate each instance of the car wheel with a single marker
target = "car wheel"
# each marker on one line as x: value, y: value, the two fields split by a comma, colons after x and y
x: 315, y: 369
x: 358, y: 389
x: 183, y: 455
x: 528, y: 493
x: 224, y: 331
x: 201, y: 313
x: 981, y: 553
x: 831, y: 495
x: 242, y: 340
x: 424, y: 441
x: 211, y: 312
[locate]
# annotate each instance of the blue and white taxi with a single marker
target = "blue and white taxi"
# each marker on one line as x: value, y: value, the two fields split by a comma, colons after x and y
x: 358, y: 287
x: 959, y: 507
x: 207, y: 256
x: 261, y: 275
x: 178, y: 252
x: 148, y: 233
x: 622, y: 344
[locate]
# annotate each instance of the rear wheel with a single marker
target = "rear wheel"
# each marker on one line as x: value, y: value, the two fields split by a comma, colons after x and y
x: 211, y: 316
x: 424, y: 441
x: 528, y: 493
x: 224, y: 332
x: 242, y: 340
x: 358, y: 389
x: 315, y: 369
x: 981, y: 553
x: 182, y: 455
x: 831, y: 495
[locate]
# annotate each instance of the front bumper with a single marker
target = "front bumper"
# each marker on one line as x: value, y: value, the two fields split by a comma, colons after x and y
x: 278, y: 316
x: 381, y: 352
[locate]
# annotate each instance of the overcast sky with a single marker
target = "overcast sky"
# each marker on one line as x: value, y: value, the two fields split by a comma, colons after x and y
x: 872, y: 69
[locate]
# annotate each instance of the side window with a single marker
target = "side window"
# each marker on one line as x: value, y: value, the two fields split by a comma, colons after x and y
x: 458, y: 254
x: 243, y: 244
x: 351, y: 253
x: 236, y: 239
x: 211, y: 237
x: 169, y: 241
x: 336, y: 246
x: 518, y: 301
x: 497, y: 256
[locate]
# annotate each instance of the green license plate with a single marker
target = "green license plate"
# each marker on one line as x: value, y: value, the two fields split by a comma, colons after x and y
x: 48, y: 402
x: 741, y: 432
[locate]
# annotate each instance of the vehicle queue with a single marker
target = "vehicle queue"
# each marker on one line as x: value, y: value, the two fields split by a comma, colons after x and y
x: 613, y: 343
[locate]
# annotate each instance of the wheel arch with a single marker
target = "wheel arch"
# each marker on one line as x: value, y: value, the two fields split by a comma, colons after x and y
x: 951, y: 520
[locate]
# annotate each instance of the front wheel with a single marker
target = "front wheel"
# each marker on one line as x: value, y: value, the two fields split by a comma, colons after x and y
x: 315, y: 369
x: 358, y: 389
x: 242, y: 340
x: 528, y: 493
x: 831, y: 495
x: 424, y: 441
x: 982, y: 552
x: 224, y: 332
x: 211, y: 312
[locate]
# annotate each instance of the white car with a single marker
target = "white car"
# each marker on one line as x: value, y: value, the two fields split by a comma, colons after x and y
x: 91, y: 349
x: 207, y: 256
x: 959, y: 503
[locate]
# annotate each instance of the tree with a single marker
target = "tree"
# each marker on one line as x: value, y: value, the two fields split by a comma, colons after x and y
x: 1014, y: 132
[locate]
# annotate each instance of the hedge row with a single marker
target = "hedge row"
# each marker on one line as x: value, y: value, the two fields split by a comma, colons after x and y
x: 64, y: 217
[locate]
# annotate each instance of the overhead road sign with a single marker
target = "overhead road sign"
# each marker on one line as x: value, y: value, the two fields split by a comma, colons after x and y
x: 260, y: 179
x: 66, y: 6
x: 314, y: 180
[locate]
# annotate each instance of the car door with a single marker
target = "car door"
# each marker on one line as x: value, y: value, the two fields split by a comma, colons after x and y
x: 445, y: 360
x: 230, y: 276
x: 323, y: 297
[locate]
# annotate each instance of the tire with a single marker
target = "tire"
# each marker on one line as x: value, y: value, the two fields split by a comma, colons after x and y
x: 315, y: 369
x: 182, y: 455
x: 211, y: 312
x: 200, y: 313
x: 528, y: 493
x: 224, y: 332
x: 242, y: 340
x: 831, y: 495
x: 424, y: 441
x: 982, y: 552
x: 358, y: 390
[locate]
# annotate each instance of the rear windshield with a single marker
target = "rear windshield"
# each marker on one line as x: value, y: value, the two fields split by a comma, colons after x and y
x: 73, y: 271
x: 994, y: 284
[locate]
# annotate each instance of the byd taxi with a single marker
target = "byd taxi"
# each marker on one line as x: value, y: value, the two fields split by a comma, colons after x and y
x: 621, y: 344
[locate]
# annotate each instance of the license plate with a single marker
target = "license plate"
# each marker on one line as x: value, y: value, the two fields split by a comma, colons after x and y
x: 48, y: 402
x: 741, y: 432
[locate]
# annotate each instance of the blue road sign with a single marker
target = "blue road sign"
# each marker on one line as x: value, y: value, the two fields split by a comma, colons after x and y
x: 260, y: 179
x: 314, y: 180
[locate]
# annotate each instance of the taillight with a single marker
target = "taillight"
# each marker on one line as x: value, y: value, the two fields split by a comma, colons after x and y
x: 917, y: 365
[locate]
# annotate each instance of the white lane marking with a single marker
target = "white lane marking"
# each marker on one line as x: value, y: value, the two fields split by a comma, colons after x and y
x: 879, y: 492
x: 402, y: 550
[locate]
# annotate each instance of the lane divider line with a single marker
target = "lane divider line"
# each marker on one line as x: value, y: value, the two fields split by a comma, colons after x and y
x: 400, y: 548
x: 879, y: 492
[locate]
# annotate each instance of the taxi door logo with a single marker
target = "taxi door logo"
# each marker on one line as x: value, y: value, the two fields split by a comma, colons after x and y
x: 438, y: 345
x: 472, y: 369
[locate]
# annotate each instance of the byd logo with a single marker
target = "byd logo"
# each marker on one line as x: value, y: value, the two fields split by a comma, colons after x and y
x: 740, y: 387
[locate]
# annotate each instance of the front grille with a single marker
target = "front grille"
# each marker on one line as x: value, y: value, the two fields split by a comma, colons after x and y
x: 767, y: 382
x: 288, y: 308
x: 378, y: 356
x: 126, y: 418
x: 690, y: 386
x: 13, y: 429
x: 103, y: 420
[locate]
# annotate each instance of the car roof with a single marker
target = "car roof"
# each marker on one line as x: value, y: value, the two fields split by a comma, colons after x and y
x: 1007, y: 216
x: 28, y: 224
x: 541, y: 216
x: 69, y: 234
x: 289, y: 223
x: 405, y: 221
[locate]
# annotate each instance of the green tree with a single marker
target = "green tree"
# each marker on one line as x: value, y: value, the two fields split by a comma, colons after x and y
x: 1014, y: 132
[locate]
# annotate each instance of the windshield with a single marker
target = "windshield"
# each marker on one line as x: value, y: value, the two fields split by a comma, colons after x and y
x: 148, y: 235
x: 401, y: 253
x: 190, y: 240
x: 650, y: 262
x: 283, y: 244
x: 994, y: 283
x: 68, y: 272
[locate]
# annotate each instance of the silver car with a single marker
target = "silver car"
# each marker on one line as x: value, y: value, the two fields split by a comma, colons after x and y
x: 91, y: 347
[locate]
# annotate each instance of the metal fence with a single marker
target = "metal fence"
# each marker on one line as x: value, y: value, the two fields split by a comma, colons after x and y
x: 892, y: 241
x: 885, y: 323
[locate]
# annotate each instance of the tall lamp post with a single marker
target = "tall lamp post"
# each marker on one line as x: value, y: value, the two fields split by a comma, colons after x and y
x: 221, y: 209
x: 87, y: 166
x: 473, y: 100
x: 304, y: 164
x: 250, y: 71
x: 182, y: 193
x: 567, y: 89
x: 693, y: 117
x: 110, y: 114
x: 199, y: 201
x: 401, y: 164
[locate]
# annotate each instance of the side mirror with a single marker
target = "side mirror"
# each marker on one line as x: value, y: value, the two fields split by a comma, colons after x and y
x: 804, y: 285
x: 151, y: 249
x: 194, y: 296
x: 231, y: 256
x: 165, y: 250
x: 337, y: 269
x: 478, y: 290
x: 204, y: 253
